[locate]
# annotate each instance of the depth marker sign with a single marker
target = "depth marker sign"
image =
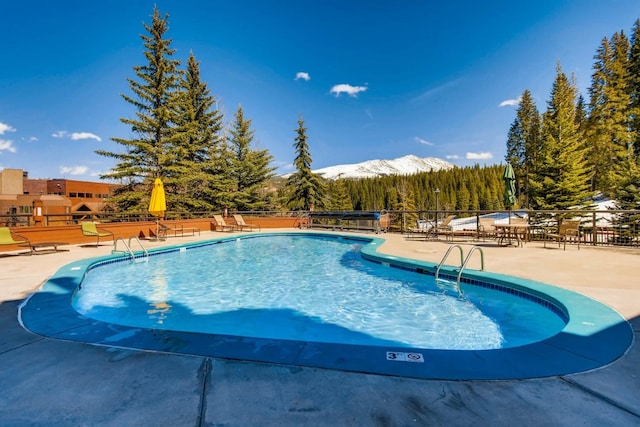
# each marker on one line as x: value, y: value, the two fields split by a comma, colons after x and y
x: 399, y: 356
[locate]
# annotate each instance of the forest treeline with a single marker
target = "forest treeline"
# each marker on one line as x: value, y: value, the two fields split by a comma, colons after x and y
x: 561, y: 156
x: 576, y: 147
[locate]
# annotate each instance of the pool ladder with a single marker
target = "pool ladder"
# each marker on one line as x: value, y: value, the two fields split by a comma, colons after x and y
x: 448, y: 284
x: 128, y: 249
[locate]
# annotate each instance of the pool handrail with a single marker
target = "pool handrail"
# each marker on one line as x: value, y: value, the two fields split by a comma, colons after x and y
x: 128, y: 247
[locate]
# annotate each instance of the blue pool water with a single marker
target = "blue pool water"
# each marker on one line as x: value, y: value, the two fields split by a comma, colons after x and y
x: 307, y: 288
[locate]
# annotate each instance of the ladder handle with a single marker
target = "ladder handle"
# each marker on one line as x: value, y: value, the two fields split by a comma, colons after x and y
x: 146, y: 253
x: 446, y: 255
x: 128, y: 247
x: 463, y: 263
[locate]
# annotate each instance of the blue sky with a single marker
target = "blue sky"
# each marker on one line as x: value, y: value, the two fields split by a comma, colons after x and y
x: 375, y: 79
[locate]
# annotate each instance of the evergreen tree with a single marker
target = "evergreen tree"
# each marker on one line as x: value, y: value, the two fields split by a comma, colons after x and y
x: 223, y: 186
x: 305, y: 188
x: 404, y: 201
x: 608, y: 128
x: 147, y: 155
x: 191, y: 175
x: 628, y: 198
x: 338, y: 196
x: 464, y: 197
x: 250, y: 168
x: 562, y: 174
x: 633, y: 86
x: 581, y: 113
x: 524, y: 145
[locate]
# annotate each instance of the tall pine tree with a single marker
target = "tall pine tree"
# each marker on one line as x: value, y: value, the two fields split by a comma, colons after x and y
x: 562, y: 174
x: 191, y: 176
x: 633, y: 86
x: 305, y: 188
x: 524, y: 145
x: 148, y: 155
x: 250, y: 168
x: 608, y: 125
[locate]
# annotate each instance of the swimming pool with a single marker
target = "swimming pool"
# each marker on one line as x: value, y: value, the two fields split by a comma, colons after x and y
x: 309, y: 288
x: 592, y: 336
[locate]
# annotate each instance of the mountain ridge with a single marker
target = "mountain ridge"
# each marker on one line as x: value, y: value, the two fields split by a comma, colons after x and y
x: 406, y: 165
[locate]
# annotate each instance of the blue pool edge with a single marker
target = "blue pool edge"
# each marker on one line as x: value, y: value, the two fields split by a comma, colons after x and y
x: 595, y: 335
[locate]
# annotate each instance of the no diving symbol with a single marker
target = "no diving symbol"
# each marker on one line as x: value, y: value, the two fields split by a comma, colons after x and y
x: 414, y: 357
x: 399, y: 356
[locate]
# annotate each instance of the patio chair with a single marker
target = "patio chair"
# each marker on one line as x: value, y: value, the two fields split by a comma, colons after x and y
x: 241, y: 224
x: 568, y: 230
x: 90, y: 229
x: 221, y: 225
x: 8, y: 237
x: 486, y: 228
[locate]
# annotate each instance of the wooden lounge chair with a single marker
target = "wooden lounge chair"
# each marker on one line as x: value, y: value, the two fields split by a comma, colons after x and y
x: 422, y: 227
x: 176, y: 230
x: 242, y: 225
x: 443, y: 226
x: 8, y: 237
x: 89, y: 228
x: 221, y: 225
x: 569, y: 229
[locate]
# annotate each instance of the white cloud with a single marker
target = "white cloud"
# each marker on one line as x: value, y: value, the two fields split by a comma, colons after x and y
x: 76, y: 135
x: 452, y: 157
x: 85, y: 135
x: 422, y: 141
x: 7, y: 145
x: 33, y: 139
x: 348, y: 89
x: 5, y: 128
x: 73, y: 170
x: 479, y: 156
x: 301, y: 75
x: 510, y: 102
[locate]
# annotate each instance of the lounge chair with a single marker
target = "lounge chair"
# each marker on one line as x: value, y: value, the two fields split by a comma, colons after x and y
x: 8, y: 237
x: 443, y: 226
x: 176, y: 229
x: 422, y: 229
x: 241, y: 224
x: 568, y: 230
x: 90, y: 229
x: 220, y: 225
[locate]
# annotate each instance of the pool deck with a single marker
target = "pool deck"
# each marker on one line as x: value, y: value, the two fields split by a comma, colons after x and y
x: 46, y: 381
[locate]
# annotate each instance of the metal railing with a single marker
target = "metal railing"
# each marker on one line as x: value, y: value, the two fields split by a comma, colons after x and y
x: 597, y: 227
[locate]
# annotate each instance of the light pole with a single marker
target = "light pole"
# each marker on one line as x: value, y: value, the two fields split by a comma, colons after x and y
x: 437, y: 191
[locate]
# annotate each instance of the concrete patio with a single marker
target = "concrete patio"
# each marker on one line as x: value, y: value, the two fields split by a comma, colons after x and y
x: 46, y: 381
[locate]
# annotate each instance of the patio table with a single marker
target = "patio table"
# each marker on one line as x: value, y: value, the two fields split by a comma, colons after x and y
x: 511, y: 231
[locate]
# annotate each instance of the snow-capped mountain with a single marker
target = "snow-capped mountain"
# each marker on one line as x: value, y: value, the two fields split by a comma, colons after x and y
x: 406, y: 165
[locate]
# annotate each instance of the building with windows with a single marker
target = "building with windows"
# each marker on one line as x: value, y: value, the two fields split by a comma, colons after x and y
x: 46, y: 201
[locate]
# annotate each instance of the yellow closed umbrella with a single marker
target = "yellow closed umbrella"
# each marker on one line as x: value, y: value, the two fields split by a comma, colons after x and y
x: 158, y: 203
